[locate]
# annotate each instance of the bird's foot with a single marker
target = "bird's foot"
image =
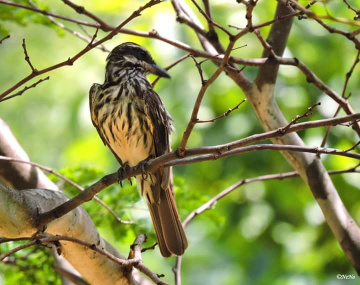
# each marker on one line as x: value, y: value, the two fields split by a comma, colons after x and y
x: 120, y: 173
x: 142, y: 166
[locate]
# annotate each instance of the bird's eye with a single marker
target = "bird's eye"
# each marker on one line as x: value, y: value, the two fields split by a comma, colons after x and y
x: 142, y: 53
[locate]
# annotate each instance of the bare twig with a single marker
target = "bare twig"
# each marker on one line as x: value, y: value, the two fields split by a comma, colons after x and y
x: 135, y: 253
x: 209, y: 204
x: 27, y: 58
x: 10, y: 3
x: 200, y: 71
x: 263, y: 42
x: 347, y: 79
x: 210, y: 20
x: 250, y: 5
x: 259, y: 147
x: 3, y: 240
x: 353, y: 147
x: 18, y: 248
x: 205, y: 85
x: 227, y: 113
x: 330, y: 29
x: 82, y: 10
x: 312, y: 78
x: 72, y: 60
x: 177, y: 270
x: 25, y: 89
x: 102, y: 47
x: 149, y: 247
x: 357, y: 12
x: 209, y: 14
x: 299, y: 117
x: 75, y: 33
x: 3, y: 39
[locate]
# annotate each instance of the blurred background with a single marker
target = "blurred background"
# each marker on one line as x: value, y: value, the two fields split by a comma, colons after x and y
x: 263, y: 233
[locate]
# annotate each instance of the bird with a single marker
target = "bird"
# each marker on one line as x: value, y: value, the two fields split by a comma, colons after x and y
x: 132, y: 121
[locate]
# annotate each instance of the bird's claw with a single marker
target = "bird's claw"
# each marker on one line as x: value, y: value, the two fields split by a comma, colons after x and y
x: 142, y: 166
x: 120, y: 174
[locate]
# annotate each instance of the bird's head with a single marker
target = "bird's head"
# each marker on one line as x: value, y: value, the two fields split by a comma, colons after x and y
x: 131, y: 55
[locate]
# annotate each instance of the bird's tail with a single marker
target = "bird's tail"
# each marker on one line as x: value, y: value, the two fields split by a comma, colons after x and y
x: 169, y: 231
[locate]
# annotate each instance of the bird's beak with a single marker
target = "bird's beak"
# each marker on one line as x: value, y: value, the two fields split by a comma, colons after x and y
x: 157, y: 70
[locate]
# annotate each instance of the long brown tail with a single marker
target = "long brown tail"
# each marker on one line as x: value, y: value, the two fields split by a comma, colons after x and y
x: 169, y: 231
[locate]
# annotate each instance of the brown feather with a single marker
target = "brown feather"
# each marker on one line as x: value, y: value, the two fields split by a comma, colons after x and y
x: 167, y: 224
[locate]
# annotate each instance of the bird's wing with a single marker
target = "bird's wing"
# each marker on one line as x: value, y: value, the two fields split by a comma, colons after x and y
x: 93, y: 90
x: 162, y: 127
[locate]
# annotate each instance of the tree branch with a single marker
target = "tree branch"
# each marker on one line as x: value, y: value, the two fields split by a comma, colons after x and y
x: 84, y: 23
x: 170, y: 159
x: 26, y: 88
x: 200, y: 96
x: 3, y: 39
x: 90, y: 46
x: 72, y: 183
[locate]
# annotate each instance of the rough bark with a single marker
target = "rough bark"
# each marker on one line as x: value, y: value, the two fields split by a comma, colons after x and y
x: 18, y: 210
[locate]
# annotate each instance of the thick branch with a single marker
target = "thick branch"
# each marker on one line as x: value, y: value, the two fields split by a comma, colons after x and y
x: 261, y: 96
x: 277, y: 40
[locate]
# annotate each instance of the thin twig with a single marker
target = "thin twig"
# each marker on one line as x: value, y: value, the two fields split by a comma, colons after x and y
x: 177, y: 270
x: 3, y: 240
x: 312, y: 78
x: 75, y: 33
x: 18, y: 248
x: 136, y: 254
x: 3, y: 39
x: 102, y: 47
x: 83, y: 11
x: 27, y: 58
x: 299, y: 117
x: 278, y: 176
x: 210, y: 20
x: 205, y: 85
x: 80, y: 22
x: 227, y: 113
x: 357, y: 12
x: 209, y: 14
x: 200, y: 71
x: 72, y: 60
x: 343, y: 95
x: 149, y: 247
x: 249, y: 9
x: 25, y: 89
x: 353, y: 147
x: 330, y: 29
x: 209, y: 204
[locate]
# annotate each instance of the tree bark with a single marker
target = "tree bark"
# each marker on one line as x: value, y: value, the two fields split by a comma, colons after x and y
x: 19, y: 209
